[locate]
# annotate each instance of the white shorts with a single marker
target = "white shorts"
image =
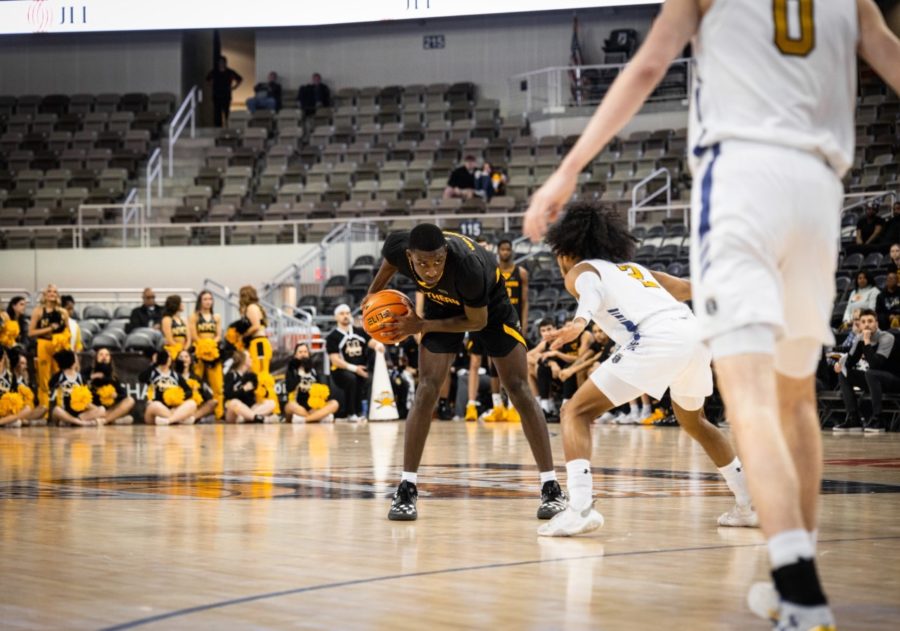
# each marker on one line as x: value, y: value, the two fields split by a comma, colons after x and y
x: 765, y: 230
x: 665, y: 353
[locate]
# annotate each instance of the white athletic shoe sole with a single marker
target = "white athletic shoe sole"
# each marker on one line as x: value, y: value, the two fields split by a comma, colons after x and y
x: 571, y: 522
x: 739, y: 517
x: 763, y: 601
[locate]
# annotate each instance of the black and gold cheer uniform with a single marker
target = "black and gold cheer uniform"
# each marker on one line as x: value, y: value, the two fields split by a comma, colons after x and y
x: 61, y: 386
x: 471, y: 278
x: 160, y: 381
x: 298, y: 382
x: 234, y: 387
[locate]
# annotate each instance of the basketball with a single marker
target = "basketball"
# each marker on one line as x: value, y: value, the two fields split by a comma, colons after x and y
x: 380, y: 309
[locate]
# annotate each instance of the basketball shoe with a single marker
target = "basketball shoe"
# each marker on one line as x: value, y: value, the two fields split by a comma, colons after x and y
x: 740, y: 517
x: 553, y: 500
x: 512, y: 415
x: 572, y: 522
x: 403, y: 504
x: 496, y: 415
x: 764, y: 601
x: 471, y: 411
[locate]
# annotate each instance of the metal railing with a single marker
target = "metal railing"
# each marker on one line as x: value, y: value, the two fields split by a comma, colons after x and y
x: 552, y: 89
x: 187, y: 113
x: 643, y: 185
x: 153, y: 172
x: 132, y: 219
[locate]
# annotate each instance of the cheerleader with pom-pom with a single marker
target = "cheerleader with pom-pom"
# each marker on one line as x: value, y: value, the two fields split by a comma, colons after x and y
x: 247, y: 397
x: 72, y: 402
x: 175, y: 331
x: 309, y: 398
x: 200, y: 391
x: 206, y: 331
x: 109, y: 391
x: 13, y: 325
x: 16, y: 400
x: 170, y: 398
x: 18, y: 364
x: 50, y: 327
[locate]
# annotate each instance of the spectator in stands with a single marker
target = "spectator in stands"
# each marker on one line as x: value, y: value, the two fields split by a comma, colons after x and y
x: 461, y: 183
x: 242, y: 404
x: 176, y: 336
x: 489, y: 182
x: 313, y: 95
x: 267, y: 96
x: 15, y: 313
x: 872, y: 364
x: 863, y: 296
x: 109, y: 391
x: 868, y: 230
x: 887, y: 305
x: 147, y: 315
x: 68, y: 303
x: 891, y: 233
x: 893, y: 264
x: 348, y: 350
x: 300, y: 377
x: 224, y: 81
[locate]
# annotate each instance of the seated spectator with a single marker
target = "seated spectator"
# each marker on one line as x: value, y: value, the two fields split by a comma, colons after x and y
x: 868, y: 231
x: 148, y: 315
x: 242, y: 401
x: 68, y: 303
x: 548, y: 364
x: 891, y: 233
x: 267, y: 96
x: 863, y: 296
x: 109, y: 391
x: 71, y: 401
x: 489, y: 183
x: 461, y: 183
x: 169, y: 397
x: 887, y: 304
x: 873, y: 365
x: 599, y: 351
x: 313, y: 95
x: 893, y: 263
x: 303, y: 383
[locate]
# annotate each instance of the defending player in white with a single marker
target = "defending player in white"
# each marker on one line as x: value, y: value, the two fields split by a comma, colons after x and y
x: 658, y: 350
x: 772, y: 131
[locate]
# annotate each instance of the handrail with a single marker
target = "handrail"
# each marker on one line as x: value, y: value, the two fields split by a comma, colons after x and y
x: 130, y: 209
x: 153, y: 172
x: 186, y: 113
x: 643, y: 184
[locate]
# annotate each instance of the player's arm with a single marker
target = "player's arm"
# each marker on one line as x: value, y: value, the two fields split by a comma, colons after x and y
x: 671, y: 31
x: 473, y: 319
x: 877, y: 44
x: 583, y: 282
x: 678, y: 287
x: 523, y: 296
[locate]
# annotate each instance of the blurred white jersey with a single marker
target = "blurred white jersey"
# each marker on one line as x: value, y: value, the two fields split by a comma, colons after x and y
x: 781, y: 72
x: 630, y: 296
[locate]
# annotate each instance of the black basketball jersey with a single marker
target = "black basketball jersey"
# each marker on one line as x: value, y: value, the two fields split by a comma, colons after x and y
x: 513, y: 281
x: 471, y: 276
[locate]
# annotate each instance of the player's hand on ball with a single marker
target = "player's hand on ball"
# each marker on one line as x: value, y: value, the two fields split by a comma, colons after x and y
x: 547, y: 203
x: 401, y: 327
x: 566, y: 334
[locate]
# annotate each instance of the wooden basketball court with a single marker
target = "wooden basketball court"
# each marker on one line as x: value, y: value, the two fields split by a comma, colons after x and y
x: 284, y: 527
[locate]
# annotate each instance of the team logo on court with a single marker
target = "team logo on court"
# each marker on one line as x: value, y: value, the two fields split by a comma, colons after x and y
x: 712, y: 307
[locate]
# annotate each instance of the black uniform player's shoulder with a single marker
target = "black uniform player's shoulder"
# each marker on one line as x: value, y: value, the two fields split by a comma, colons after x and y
x: 395, y: 246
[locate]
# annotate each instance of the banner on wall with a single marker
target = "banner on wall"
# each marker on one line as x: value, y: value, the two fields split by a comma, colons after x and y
x: 74, y: 16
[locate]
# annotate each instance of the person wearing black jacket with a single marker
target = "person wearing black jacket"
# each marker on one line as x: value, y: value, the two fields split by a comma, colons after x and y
x: 887, y: 304
x: 267, y: 95
x: 313, y: 95
x: 240, y: 394
x: 224, y: 82
x: 148, y: 315
x: 872, y: 364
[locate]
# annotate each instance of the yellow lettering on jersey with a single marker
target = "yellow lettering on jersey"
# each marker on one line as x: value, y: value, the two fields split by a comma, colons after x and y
x: 463, y: 238
x: 636, y: 274
x: 441, y: 299
x: 795, y: 46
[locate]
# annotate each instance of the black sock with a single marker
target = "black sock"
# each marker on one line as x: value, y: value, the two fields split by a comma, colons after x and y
x: 258, y: 418
x: 798, y: 583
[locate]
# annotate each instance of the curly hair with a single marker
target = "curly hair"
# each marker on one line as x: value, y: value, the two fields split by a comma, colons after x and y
x: 591, y: 231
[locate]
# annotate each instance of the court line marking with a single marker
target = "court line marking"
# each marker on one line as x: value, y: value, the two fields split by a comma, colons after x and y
x: 453, y: 570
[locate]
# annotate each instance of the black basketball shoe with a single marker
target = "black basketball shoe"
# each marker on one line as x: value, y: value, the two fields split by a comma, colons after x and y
x: 403, y: 505
x: 553, y: 500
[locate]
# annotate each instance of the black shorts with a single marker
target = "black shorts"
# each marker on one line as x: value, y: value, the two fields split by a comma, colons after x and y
x: 497, y: 339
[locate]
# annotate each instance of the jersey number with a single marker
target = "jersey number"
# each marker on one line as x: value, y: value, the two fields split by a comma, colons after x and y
x: 636, y: 274
x: 800, y: 12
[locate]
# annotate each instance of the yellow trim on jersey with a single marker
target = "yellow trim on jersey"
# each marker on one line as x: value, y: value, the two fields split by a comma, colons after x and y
x: 514, y: 334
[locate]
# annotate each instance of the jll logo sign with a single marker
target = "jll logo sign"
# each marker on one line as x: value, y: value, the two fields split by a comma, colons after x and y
x: 40, y: 15
x: 71, y: 15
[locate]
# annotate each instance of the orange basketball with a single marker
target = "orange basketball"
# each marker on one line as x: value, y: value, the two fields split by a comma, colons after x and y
x: 380, y: 309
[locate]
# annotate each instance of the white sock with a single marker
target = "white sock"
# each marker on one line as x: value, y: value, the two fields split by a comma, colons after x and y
x: 579, y: 482
x: 646, y: 411
x: 409, y: 476
x: 497, y: 400
x: 734, y: 476
x: 472, y: 402
x: 547, y: 476
x: 814, y: 538
x: 789, y: 546
x: 545, y: 405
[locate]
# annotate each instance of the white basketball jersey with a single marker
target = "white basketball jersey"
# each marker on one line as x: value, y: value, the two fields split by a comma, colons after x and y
x: 777, y: 71
x: 630, y: 296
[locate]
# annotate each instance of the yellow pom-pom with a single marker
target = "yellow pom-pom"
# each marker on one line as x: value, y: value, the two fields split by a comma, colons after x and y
x: 27, y: 394
x: 196, y: 395
x: 107, y: 395
x: 319, y: 391
x: 11, y: 403
x: 315, y: 403
x: 234, y: 338
x: 173, y: 396
x: 80, y: 398
x: 9, y: 333
x: 207, y: 350
x: 61, y: 341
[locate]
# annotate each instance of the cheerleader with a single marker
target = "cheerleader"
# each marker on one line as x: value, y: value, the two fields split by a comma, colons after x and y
x: 109, y: 391
x: 200, y: 392
x: 309, y: 399
x: 174, y: 330
x: 206, y: 331
x: 72, y: 402
x: 169, y: 397
x: 50, y: 327
x: 255, y: 339
x: 13, y: 324
x: 244, y: 402
x: 15, y: 403
x: 18, y: 362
